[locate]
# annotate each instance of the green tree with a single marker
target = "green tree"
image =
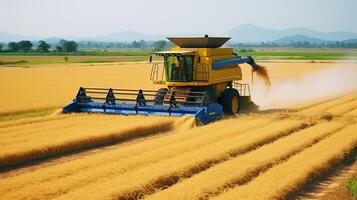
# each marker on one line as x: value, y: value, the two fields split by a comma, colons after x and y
x: 160, y: 45
x: 70, y: 46
x: 61, y: 42
x: 142, y: 44
x: 1, y: 45
x: 25, y: 45
x: 135, y: 44
x: 13, y: 46
x: 59, y: 48
x: 43, y: 46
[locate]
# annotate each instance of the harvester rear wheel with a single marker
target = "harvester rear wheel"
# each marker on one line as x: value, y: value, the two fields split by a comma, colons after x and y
x: 230, y: 101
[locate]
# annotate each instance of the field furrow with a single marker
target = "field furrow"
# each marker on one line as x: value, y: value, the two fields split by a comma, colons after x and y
x: 26, y: 133
x: 304, y: 131
x: 169, y: 171
x: 33, y: 120
x: 58, y: 141
x: 244, y: 168
x: 323, y: 107
x: 344, y: 108
x: 133, y: 156
x: 43, y: 122
x: 352, y: 113
x: 61, y: 127
x: 287, y: 178
x: 309, y: 104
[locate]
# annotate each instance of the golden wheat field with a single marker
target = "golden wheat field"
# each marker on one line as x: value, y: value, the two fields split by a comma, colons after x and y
x: 51, y: 86
x: 297, y: 138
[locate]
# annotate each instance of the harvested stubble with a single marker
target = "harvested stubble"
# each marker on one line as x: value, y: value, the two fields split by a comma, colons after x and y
x: 343, y: 109
x: 352, y: 113
x: 169, y: 171
x: 55, y: 85
x: 64, y: 177
x: 243, y: 168
x: 33, y: 120
x: 45, y: 87
x: 328, y: 105
x: 309, y: 104
x: 287, y: 178
x: 18, y: 130
x: 68, y: 135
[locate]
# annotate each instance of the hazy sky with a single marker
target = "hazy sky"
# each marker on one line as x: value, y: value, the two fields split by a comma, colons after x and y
x: 100, y: 17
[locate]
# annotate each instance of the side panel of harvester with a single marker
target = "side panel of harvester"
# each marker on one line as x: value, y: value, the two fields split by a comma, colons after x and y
x: 204, y: 73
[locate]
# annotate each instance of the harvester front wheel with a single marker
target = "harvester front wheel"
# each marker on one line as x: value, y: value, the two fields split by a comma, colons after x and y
x: 230, y: 101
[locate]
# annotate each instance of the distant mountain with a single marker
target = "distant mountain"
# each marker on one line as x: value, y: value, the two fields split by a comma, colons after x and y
x: 7, y: 37
x: 129, y: 36
x: 252, y: 33
x: 299, y: 38
x: 53, y: 40
x: 353, y: 41
x: 243, y: 33
x: 125, y: 36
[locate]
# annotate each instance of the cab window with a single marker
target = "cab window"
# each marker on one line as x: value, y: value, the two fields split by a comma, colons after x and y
x: 179, y: 68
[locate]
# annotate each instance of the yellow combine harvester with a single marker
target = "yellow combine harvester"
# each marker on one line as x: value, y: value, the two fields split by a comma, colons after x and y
x: 200, y: 79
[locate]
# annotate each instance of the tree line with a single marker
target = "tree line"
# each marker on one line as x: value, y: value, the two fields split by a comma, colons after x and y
x: 41, y: 46
x: 72, y: 46
x: 300, y: 44
x: 136, y: 44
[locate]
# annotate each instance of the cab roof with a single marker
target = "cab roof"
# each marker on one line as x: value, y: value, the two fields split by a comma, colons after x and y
x: 199, y: 42
x: 174, y: 53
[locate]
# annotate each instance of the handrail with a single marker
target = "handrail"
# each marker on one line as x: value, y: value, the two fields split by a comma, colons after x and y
x: 243, y: 88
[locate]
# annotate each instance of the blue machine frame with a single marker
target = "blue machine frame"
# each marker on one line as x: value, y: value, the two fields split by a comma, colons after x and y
x: 145, y: 102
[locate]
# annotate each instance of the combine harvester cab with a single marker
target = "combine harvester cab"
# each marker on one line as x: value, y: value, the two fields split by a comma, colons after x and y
x: 145, y: 102
x: 198, y: 78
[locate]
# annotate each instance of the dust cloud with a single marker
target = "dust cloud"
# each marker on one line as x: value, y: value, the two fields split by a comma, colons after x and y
x: 334, y: 81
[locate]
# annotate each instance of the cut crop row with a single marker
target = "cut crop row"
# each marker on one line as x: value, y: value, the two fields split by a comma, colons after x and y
x: 142, y: 181
x: 244, y: 168
x: 65, y: 177
x: 48, y: 143
x: 286, y: 179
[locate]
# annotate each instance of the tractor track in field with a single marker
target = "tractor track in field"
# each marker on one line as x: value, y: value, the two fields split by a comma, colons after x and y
x: 64, y: 158
x: 330, y: 182
x: 256, y: 170
x: 265, y: 168
x: 324, y: 107
x: 51, y: 161
x: 320, y: 184
x: 286, y: 180
x: 168, y: 181
x: 197, y: 167
x: 287, y: 114
x: 11, y: 162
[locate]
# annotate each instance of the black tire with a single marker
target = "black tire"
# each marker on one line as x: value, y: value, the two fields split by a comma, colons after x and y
x: 226, y: 101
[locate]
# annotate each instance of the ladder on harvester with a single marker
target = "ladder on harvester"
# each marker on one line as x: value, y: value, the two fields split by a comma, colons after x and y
x: 154, y: 74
